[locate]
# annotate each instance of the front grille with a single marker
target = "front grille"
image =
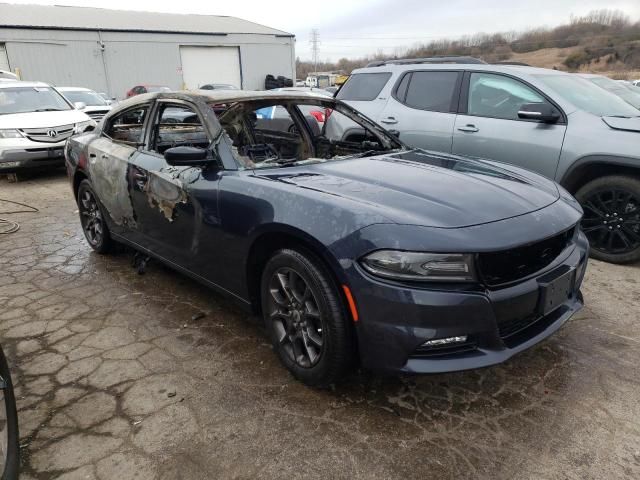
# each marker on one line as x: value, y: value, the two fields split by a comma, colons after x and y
x: 48, y: 135
x: 455, y: 349
x: 507, y: 266
x: 97, y: 115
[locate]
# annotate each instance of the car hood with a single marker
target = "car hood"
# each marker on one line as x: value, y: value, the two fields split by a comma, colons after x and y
x: 97, y: 108
x: 427, y: 188
x: 630, y: 124
x: 42, y: 119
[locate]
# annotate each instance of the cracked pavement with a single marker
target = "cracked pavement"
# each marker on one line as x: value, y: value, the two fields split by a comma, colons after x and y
x: 117, y: 378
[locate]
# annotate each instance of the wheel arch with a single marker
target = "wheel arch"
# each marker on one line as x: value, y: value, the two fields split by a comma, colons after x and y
x: 78, y: 176
x: 589, y: 168
x: 276, y: 237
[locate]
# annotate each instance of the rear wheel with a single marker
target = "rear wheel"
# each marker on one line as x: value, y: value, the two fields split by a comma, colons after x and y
x: 9, y: 443
x: 306, y: 318
x: 92, y: 220
x: 611, y: 219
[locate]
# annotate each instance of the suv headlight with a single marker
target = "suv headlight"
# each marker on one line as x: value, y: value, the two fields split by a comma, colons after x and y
x: 10, y: 133
x: 80, y: 127
x: 419, y: 266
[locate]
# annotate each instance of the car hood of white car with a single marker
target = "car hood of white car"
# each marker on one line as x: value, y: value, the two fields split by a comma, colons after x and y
x: 42, y: 119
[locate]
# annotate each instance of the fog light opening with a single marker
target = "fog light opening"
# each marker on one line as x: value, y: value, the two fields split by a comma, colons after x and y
x: 445, y: 341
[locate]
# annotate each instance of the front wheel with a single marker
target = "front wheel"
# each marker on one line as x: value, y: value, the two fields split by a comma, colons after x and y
x: 9, y: 438
x: 611, y: 219
x: 306, y: 318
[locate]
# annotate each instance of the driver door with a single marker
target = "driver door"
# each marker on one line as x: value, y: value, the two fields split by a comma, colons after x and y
x: 489, y: 127
x: 167, y: 211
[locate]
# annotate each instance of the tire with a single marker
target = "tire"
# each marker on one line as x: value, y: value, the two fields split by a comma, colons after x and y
x: 9, y: 465
x: 320, y: 314
x: 612, y: 218
x: 92, y: 219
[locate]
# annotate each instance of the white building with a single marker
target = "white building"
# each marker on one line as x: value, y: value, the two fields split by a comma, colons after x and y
x: 113, y: 50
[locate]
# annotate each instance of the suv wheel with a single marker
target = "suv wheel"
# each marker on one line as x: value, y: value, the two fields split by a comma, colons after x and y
x: 611, y: 219
x: 305, y: 318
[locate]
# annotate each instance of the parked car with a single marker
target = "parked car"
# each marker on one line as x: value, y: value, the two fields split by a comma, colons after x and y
x: 554, y: 123
x: 4, y: 74
x: 218, y: 86
x: 140, y: 89
x: 625, y: 91
x: 9, y: 435
x: 407, y: 260
x: 35, y: 122
x: 108, y: 100
x: 636, y: 83
x: 90, y: 102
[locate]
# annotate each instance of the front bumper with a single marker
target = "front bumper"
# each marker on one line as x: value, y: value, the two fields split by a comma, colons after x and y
x: 396, y: 320
x: 29, y: 155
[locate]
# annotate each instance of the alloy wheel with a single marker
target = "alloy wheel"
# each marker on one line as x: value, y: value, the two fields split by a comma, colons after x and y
x: 296, y: 318
x: 611, y: 221
x: 91, y: 218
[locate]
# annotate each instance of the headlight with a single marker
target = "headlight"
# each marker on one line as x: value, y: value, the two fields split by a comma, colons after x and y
x: 10, y: 134
x: 81, y: 127
x: 418, y: 266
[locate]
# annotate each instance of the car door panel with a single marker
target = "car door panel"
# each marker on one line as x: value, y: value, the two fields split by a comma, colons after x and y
x: 488, y: 125
x: 422, y: 108
x: 531, y: 145
x: 162, y: 195
x: 108, y: 168
x: 419, y: 128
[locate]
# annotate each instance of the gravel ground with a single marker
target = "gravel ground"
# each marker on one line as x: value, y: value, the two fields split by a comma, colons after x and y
x: 118, y: 378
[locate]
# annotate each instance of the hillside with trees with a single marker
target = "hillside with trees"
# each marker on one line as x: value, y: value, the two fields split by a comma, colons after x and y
x: 603, y: 41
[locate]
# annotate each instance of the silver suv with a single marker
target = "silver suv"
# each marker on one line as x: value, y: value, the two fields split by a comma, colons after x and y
x: 554, y: 123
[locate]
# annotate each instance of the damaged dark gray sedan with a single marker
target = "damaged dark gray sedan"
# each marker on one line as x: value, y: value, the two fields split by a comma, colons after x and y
x: 353, y: 247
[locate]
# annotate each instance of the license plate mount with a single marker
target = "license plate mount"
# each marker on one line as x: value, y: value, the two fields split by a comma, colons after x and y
x: 555, y: 292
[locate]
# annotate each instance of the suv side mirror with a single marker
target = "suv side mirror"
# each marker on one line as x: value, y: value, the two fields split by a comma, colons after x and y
x: 186, y: 156
x: 80, y: 105
x: 543, y: 112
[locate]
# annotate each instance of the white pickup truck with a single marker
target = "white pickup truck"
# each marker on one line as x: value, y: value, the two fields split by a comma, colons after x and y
x: 35, y: 122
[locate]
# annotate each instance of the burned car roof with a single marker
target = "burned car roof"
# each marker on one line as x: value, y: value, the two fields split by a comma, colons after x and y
x: 224, y: 96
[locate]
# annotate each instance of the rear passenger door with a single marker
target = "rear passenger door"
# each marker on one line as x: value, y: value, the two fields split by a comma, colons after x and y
x: 422, y: 108
x: 108, y: 164
x: 366, y: 92
x: 488, y: 125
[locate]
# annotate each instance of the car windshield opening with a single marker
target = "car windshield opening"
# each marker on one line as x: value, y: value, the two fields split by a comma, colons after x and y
x: 89, y: 98
x: 587, y: 96
x: 31, y: 99
x: 267, y: 133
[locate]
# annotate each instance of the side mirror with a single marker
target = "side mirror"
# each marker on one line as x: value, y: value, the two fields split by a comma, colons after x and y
x: 186, y: 156
x: 89, y: 128
x: 543, y: 112
x: 80, y: 105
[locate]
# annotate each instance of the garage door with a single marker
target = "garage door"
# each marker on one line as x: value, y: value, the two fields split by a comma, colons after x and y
x: 4, y: 60
x: 202, y: 65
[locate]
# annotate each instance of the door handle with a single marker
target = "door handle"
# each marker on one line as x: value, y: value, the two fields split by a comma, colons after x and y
x: 469, y: 128
x: 104, y: 156
x: 92, y: 155
x: 389, y: 120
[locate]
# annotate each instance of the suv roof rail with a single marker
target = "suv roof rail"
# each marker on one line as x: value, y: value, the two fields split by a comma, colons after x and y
x: 517, y: 64
x: 437, y: 59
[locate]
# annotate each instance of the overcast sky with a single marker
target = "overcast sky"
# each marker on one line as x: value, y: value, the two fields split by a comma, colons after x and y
x: 353, y: 28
